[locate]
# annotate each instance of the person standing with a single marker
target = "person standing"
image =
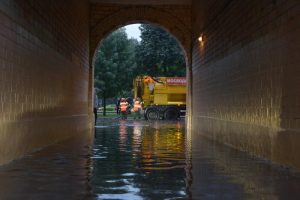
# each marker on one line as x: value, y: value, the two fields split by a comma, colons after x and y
x: 96, y: 104
x: 123, y: 108
x: 137, y: 108
x: 118, y: 106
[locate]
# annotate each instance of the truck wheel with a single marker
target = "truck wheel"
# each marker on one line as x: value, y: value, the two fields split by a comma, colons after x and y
x: 152, y: 114
x: 171, y: 113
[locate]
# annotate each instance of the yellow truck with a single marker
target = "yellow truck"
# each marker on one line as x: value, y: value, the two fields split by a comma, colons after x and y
x: 163, y: 97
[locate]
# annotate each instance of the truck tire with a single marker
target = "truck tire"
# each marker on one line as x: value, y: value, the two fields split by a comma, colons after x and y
x: 171, y: 113
x: 152, y: 114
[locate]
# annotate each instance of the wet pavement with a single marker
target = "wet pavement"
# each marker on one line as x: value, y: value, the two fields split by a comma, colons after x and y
x: 135, y: 160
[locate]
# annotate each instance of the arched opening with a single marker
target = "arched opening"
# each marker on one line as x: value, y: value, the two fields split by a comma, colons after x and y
x: 114, y: 28
x: 101, y: 25
x: 167, y: 112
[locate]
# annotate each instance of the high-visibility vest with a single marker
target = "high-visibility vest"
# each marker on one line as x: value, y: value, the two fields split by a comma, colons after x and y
x: 123, y: 106
x: 137, y: 105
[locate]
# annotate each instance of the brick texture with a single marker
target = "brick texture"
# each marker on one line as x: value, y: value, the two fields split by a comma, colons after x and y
x: 106, y: 18
x: 245, y: 73
x: 44, y: 65
x: 246, y: 76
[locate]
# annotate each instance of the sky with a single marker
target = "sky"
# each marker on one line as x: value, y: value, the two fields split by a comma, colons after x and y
x: 133, y: 31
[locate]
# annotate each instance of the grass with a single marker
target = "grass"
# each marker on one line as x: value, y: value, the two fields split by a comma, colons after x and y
x: 113, y: 115
x: 108, y: 114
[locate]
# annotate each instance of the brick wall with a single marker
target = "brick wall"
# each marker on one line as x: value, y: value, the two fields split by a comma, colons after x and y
x: 106, y: 18
x: 246, y: 76
x: 44, y: 69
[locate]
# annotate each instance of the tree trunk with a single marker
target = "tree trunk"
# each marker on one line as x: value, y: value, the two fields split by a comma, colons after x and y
x: 165, y: 70
x: 104, y: 106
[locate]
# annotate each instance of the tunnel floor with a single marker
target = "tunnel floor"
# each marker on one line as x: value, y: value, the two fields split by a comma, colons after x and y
x: 135, y: 160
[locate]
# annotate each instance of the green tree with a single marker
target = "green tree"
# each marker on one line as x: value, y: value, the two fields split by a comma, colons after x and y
x: 115, y: 65
x: 159, y: 54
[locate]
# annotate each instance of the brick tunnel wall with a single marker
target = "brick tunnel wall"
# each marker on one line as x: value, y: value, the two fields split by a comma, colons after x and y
x: 106, y: 18
x: 246, y: 76
x: 44, y: 69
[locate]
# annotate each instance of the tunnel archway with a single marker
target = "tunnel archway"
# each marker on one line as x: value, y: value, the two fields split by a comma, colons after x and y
x: 183, y: 49
x: 102, y: 25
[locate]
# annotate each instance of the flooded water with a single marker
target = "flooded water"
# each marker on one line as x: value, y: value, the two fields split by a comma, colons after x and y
x: 138, y: 160
x: 134, y: 160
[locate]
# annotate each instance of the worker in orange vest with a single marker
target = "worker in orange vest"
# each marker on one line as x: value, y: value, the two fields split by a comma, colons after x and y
x: 137, y: 108
x: 123, y: 108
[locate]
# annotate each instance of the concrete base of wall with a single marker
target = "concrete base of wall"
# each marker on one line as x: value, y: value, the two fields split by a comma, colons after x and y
x: 47, y: 131
x: 279, y: 146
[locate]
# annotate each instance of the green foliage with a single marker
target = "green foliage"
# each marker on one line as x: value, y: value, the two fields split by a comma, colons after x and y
x: 115, y: 65
x: 159, y: 53
x: 119, y: 60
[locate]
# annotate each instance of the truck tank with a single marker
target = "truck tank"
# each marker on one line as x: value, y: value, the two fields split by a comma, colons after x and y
x: 163, y: 97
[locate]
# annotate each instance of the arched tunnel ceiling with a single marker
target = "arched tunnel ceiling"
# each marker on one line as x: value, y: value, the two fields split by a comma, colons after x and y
x: 145, y: 2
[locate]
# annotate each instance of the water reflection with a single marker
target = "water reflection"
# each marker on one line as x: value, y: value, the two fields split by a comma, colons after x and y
x: 135, y: 160
x: 221, y: 172
x: 57, y: 172
x: 145, y: 161
x: 122, y: 135
x: 159, y: 160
